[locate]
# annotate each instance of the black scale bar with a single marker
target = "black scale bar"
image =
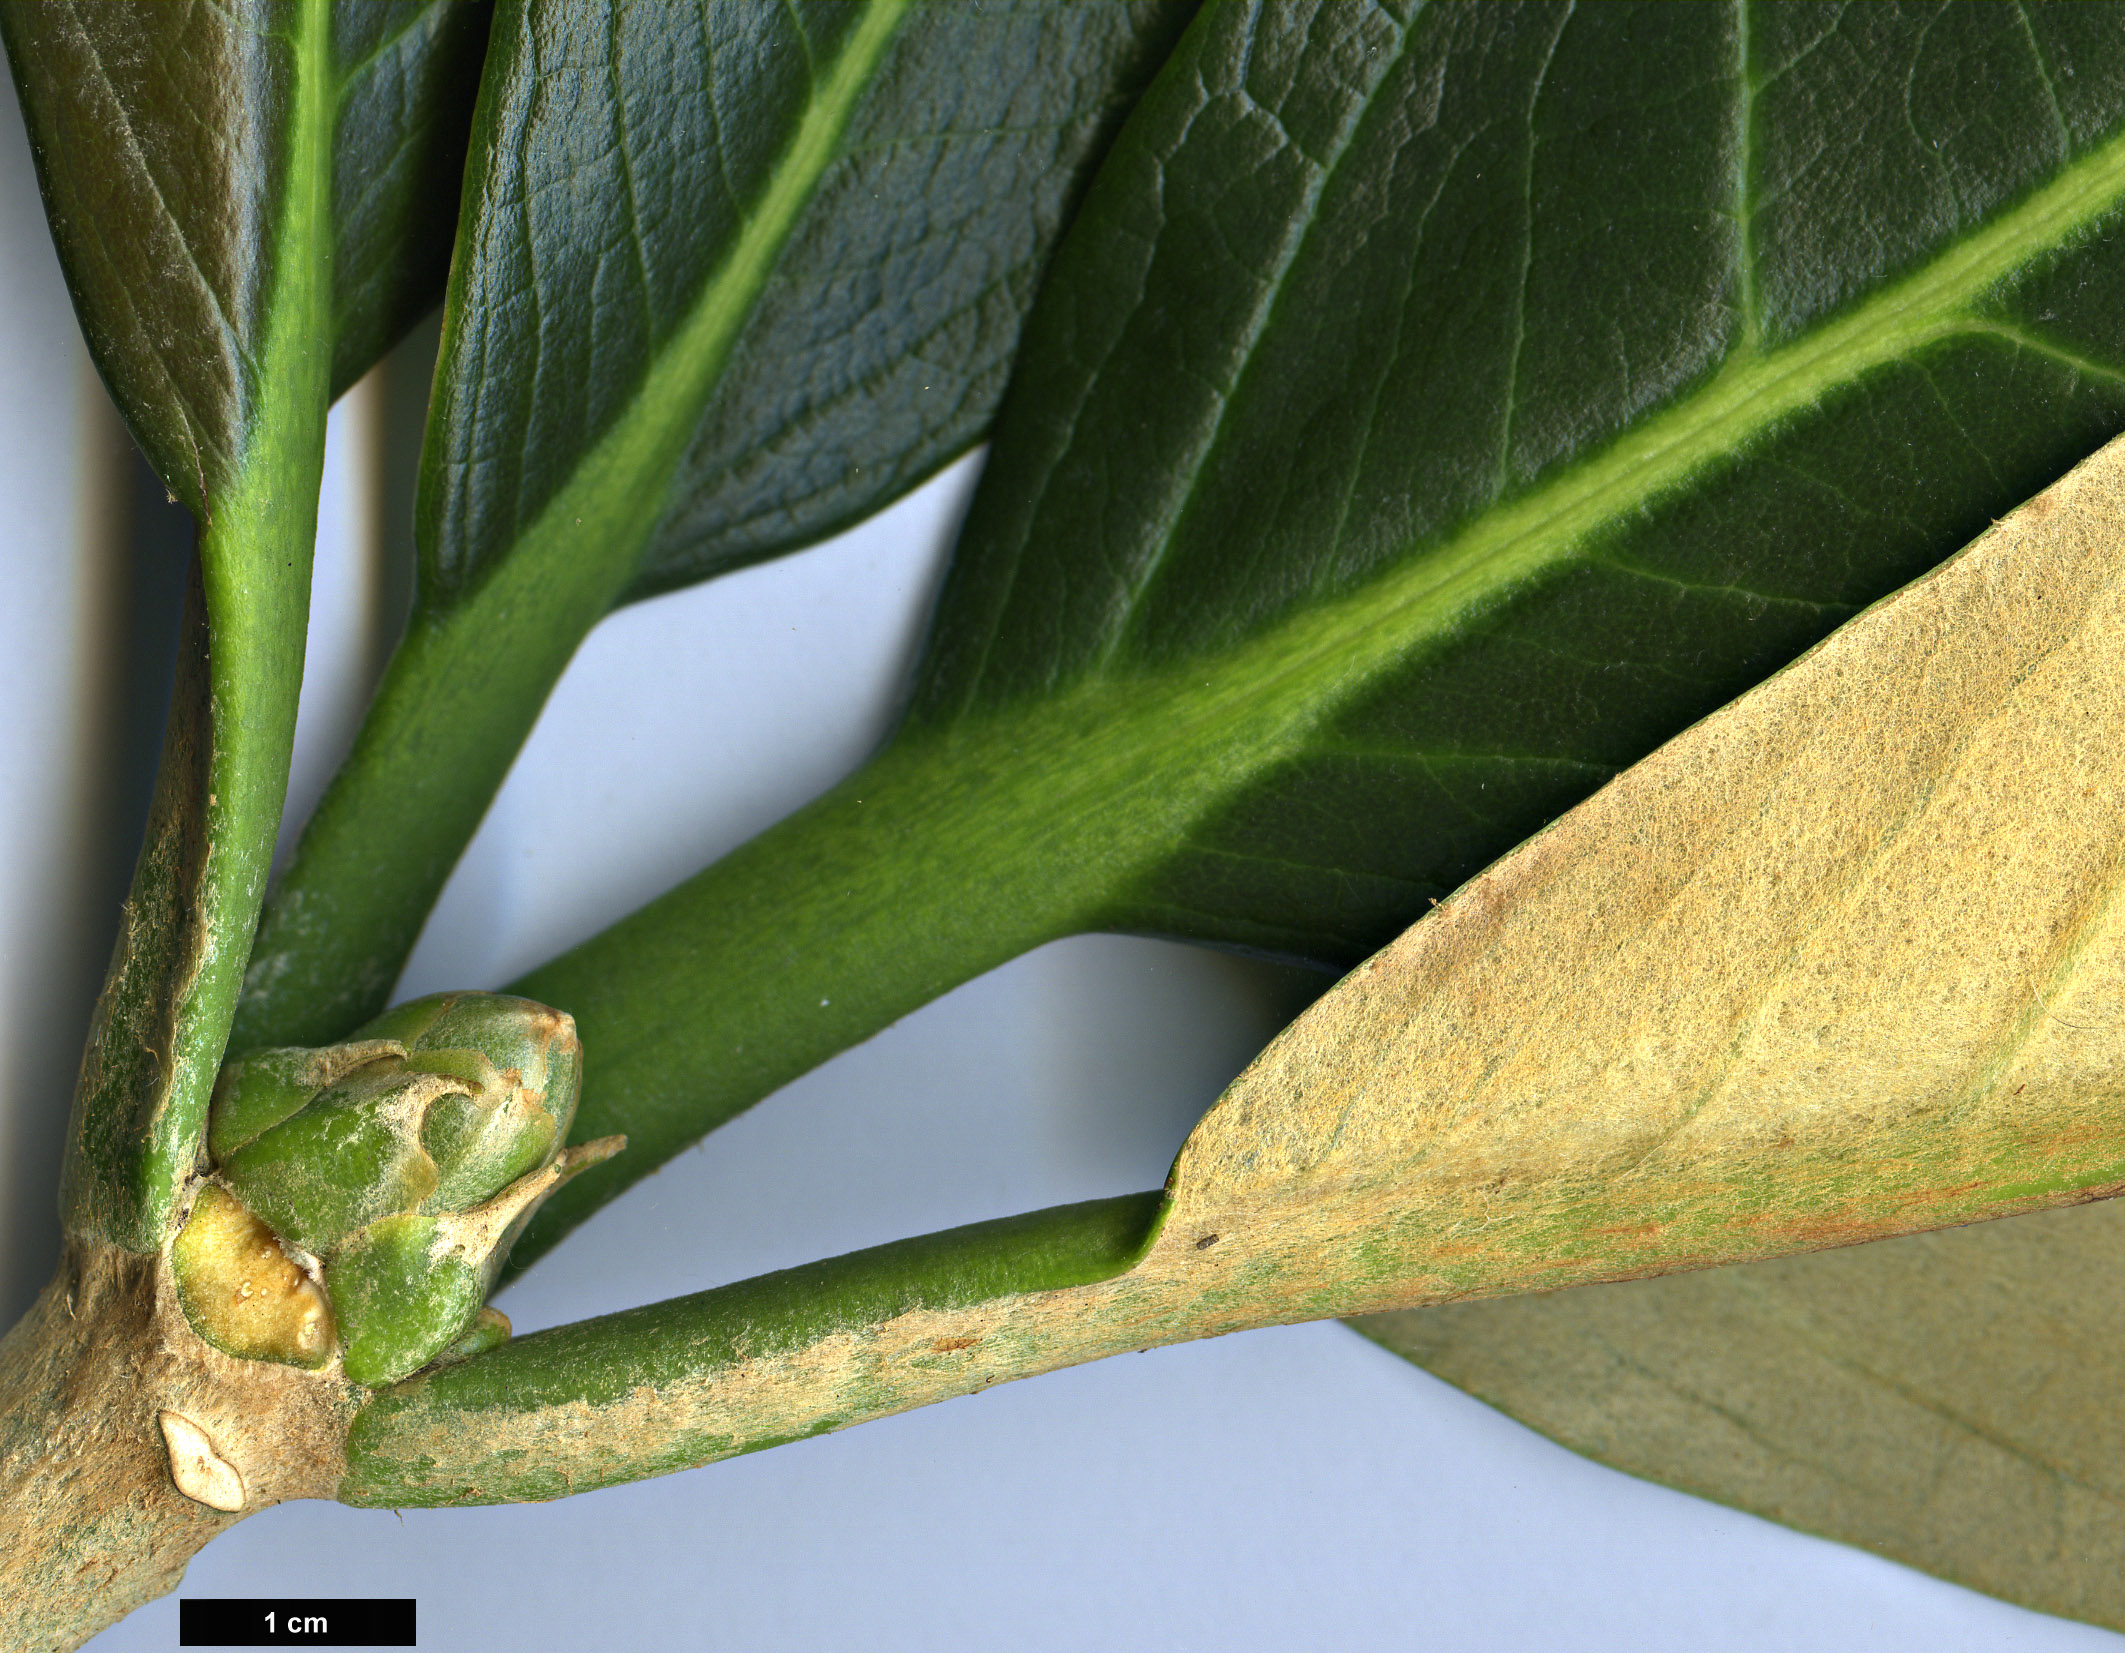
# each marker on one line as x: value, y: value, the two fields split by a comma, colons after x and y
x: 291, y: 1621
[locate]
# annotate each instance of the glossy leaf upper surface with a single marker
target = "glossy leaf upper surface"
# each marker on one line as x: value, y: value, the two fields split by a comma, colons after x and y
x: 408, y: 72
x: 1428, y: 413
x: 626, y: 152
x: 158, y: 131
x: 1541, y: 376
x: 882, y: 342
x: 1798, y: 978
x: 727, y: 276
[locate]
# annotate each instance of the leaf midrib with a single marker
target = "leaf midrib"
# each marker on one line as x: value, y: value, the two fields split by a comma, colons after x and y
x: 1287, y: 679
x: 1747, y: 397
x: 1269, y: 303
x: 622, y: 481
x: 254, y: 566
x: 1132, y: 760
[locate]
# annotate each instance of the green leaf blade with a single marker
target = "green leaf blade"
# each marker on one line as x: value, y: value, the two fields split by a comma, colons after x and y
x: 1233, y: 651
x: 121, y: 101
x: 1335, y: 303
x: 1466, y: 418
x: 407, y: 72
x: 480, y: 654
x: 880, y: 348
x: 1944, y: 1400
x: 587, y: 243
x: 1726, y: 1008
x: 538, y: 513
x: 1876, y: 416
x: 173, y: 307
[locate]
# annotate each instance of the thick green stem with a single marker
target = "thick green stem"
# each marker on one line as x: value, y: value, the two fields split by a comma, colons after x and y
x: 951, y: 853
x: 648, y: 1391
x: 478, y: 662
x: 460, y: 697
x: 802, y: 943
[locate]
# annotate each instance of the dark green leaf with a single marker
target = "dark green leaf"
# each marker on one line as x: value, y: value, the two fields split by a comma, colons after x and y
x: 1949, y: 1400
x: 408, y: 71
x: 185, y: 155
x: 158, y: 136
x: 1428, y: 412
x: 728, y: 278
x: 1725, y: 1008
x: 1594, y: 365
x: 880, y: 345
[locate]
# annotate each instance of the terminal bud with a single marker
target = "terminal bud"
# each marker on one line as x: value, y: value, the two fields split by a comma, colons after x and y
x: 364, y: 1196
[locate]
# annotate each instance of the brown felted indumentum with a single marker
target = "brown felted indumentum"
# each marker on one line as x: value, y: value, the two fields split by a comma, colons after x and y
x: 1831, y: 965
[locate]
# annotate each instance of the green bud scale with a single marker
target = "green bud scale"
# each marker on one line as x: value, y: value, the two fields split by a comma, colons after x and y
x: 362, y: 1197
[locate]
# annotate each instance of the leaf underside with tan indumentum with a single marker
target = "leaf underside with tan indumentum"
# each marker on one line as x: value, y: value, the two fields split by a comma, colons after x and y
x: 1800, y: 978
x: 1428, y: 413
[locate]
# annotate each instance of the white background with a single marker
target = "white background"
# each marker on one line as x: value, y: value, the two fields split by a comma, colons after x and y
x: 1284, y: 1489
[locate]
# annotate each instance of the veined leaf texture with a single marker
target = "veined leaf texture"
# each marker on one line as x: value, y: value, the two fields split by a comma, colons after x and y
x: 1429, y: 412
